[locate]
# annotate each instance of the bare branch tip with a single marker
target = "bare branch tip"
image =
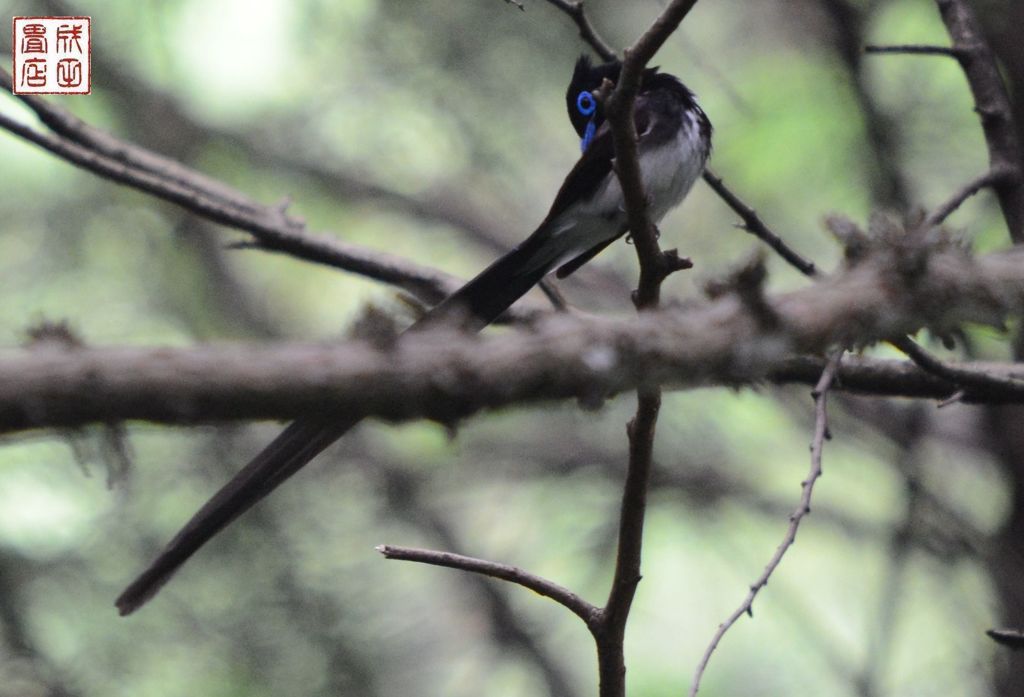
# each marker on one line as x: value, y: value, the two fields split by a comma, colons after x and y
x: 954, y: 398
x: 673, y: 262
x: 1011, y: 638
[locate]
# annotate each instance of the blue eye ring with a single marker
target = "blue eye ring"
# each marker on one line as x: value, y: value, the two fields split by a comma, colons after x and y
x: 585, y: 103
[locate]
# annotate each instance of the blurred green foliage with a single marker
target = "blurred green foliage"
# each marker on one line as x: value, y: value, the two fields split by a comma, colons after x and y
x: 464, y: 101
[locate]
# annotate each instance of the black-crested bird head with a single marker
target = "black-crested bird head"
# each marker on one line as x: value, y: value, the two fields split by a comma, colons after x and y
x: 585, y: 112
x: 579, y: 100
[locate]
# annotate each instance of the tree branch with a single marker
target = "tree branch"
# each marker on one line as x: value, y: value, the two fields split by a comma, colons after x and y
x: 913, y: 49
x: 587, y: 31
x: 445, y: 377
x: 271, y: 227
x: 609, y: 627
x: 654, y: 264
x: 967, y: 379
x: 993, y: 178
x: 512, y: 574
x: 993, y: 106
x: 753, y: 224
x: 821, y: 433
x: 402, y: 485
x: 445, y: 204
x: 203, y: 385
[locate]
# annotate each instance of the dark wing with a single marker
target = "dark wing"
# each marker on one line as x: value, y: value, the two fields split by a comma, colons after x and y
x: 586, y: 177
x: 595, y: 164
x: 485, y: 297
x: 599, y: 166
x: 641, y: 118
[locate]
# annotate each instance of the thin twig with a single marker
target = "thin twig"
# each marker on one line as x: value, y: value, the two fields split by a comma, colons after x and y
x: 1011, y: 638
x: 654, y: 264
x: 821, y: 433
x: 402, y: 485
x: 541, y: 586
x: 619, y: 109
x: 753, y: 224
x: 965, y: 378
x: 272, y: 229
x: 70, y: 127
x: 917, y: 49
x: 992, y: 177
x: 587, y: 31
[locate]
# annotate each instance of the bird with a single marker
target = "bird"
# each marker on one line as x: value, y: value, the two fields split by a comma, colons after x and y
x: 587, y: 215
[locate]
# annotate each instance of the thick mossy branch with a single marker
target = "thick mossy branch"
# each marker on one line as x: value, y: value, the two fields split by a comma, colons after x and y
x: 890, y: 289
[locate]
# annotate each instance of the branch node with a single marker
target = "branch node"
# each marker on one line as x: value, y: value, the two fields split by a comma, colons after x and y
x: 674, y: 262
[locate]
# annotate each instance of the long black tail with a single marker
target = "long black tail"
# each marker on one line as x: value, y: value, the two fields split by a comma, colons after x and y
x: 299, y: 443
x: 482, y: 300
x: 475, y: 305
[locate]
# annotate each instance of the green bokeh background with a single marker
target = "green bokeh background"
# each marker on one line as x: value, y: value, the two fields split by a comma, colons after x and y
x: 462, y: 102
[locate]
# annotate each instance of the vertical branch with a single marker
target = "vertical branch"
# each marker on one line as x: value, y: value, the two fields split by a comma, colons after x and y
x: 609, y: 627
x: 655, y: 265
x: 993, y: 106
x: 1004, y: 424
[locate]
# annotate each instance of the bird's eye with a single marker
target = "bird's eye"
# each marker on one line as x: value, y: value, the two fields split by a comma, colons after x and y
x: 585, y: 103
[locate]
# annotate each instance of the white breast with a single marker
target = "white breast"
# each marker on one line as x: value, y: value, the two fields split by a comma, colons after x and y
x: 668, y: 172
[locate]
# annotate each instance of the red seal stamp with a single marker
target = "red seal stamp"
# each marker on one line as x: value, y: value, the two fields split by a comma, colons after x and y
x: 52, y: 55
